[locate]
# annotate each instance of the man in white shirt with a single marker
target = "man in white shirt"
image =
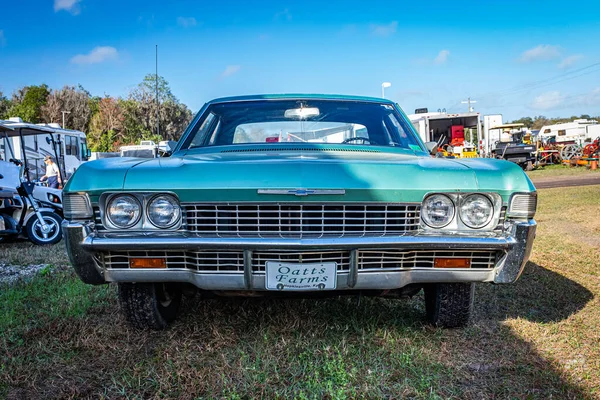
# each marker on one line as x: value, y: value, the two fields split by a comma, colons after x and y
x: 52, y: 174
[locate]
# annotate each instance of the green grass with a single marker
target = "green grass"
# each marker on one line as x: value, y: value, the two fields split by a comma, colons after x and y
x: 538, y: 338
x: 551, y: 171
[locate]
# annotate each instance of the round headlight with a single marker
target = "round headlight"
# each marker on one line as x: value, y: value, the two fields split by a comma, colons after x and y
x: 123, y: 211
x: 437, y: 211
x: 476, y: 211
x: 164, y: 211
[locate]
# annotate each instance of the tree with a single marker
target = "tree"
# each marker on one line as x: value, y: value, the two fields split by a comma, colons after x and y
x: 4, y: 106
x: 106, y: 126
x: 141, y: 107
x: 28, y: 101
x: 71, y: 99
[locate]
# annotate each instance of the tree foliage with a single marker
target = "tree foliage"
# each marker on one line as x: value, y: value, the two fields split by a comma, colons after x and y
x: 109, y: 122
x: 28, y: 101
x: 74, y: 101
x: 4, y: 106
x: 539, y: 121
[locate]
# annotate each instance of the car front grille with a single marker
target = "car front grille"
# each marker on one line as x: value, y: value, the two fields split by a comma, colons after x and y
x: 301, y: 220
x: 217, y: 261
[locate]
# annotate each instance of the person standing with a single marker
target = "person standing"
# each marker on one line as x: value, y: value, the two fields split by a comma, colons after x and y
x: 52, y: 174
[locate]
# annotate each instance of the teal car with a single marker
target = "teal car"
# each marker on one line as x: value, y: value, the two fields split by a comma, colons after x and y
x: 298, y: 195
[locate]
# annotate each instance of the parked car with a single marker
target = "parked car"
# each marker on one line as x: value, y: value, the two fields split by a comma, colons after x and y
x: 298, y: 194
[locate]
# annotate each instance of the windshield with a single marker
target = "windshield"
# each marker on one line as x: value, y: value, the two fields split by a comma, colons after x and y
x: 301, y: 121
x: 140, y: 153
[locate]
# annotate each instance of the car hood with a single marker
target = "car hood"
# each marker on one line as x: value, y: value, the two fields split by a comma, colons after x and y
x: 238, y: 174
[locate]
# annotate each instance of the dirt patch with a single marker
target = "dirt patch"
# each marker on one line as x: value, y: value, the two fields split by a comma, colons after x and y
x: 11, y: 274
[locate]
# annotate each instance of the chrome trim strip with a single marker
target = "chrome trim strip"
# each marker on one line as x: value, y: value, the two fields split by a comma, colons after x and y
x: 301, y: 192
x: 176, y: 240
x: 248, y: 268
x: 353, y: 274
x: 373, y: 280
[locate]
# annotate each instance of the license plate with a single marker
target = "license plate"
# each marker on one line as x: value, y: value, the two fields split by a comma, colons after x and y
x: 305, y: 276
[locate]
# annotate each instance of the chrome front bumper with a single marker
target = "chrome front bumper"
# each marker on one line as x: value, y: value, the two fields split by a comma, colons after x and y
x: 82, y: 243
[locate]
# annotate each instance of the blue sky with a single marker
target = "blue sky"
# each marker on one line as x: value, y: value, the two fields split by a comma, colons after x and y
x: 516, y: 58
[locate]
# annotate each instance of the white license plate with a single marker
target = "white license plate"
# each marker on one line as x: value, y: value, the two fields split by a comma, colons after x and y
x: 305, y: 276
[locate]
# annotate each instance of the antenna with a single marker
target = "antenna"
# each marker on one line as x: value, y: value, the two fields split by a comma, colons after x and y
x: 157, y: 102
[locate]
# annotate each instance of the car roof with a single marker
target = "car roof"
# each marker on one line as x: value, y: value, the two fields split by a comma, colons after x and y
x: 295, y: 96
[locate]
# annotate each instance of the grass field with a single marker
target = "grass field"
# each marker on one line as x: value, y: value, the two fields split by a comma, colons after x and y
x: 550, y: 171
x: 538, y: 338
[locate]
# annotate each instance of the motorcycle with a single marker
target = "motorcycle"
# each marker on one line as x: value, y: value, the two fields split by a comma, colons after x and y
x: 26, y: 209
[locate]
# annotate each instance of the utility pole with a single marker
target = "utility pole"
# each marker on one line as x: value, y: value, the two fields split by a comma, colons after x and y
x: 63, y: 114
x: 469, y: 101
x: 157, y: 103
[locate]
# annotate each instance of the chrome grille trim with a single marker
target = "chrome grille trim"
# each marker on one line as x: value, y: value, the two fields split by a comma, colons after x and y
x: 302, y: 220
x: 228, y: 262
x: 98, y: 219
x: 390, y: 260
x: 342, y: 258
x: 201, y: 261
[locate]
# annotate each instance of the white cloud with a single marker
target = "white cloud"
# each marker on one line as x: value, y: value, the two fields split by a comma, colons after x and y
x: 384, y: 29
x: 543, y: 52
x: 547, y: 101
x: 2, y: 39
x: 186, y: 22
x: 230, y: 70
x: 71, y: 6
x: 98, y: 55
x: 442, y: 57
x: 569, y: 61
x: 285, y: 14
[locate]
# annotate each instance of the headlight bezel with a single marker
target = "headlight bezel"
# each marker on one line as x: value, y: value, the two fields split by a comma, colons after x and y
x: 143, y: 223
x: 456, y: 224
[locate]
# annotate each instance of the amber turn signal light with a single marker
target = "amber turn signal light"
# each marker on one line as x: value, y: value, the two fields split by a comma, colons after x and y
x: 147, y: 263
x: 452, y: 263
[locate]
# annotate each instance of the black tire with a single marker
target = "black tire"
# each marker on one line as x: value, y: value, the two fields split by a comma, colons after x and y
x: 149, y: 305
x: 449, y: 305
x: 34, y: 228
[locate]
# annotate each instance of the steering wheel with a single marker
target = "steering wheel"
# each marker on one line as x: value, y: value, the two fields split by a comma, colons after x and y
x: 353, y: 139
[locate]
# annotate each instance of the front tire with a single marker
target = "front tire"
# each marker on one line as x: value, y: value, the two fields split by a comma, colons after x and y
x: 149, y: 305
x: 35, y: 231
x: 449, y: 305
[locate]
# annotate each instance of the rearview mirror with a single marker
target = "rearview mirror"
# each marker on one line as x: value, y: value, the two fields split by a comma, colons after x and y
x: 303, y: 112
x: 432, y: 147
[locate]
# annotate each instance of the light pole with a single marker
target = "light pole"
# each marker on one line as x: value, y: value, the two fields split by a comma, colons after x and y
x: 468, y: 101
x: 383, y: 86
x: 63, y: 114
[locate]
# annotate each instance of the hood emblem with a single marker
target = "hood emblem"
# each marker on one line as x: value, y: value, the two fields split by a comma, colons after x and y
x: 301, y: 192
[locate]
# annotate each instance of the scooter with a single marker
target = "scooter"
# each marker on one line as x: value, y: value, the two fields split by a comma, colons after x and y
x: 28, y: 210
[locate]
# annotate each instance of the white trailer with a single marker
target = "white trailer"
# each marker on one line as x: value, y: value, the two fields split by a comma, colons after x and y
x: 71, y: 147
x: 487, y: 143
x: 433, y: 125
x: 576, y: 132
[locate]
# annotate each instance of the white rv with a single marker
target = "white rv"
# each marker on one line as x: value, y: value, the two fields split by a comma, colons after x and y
x: 578, y: 131
x: 71, y: 147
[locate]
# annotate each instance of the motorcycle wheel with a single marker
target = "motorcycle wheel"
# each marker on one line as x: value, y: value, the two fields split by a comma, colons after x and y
x: 34, y: 229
